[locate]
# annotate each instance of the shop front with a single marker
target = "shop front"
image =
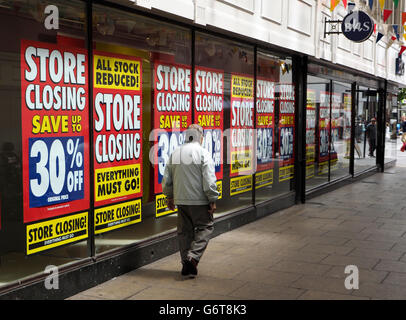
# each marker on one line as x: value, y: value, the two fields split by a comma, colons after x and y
x: 92, y: 110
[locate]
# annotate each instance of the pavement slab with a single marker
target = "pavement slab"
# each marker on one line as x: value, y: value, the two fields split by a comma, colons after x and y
x: 297, y: 253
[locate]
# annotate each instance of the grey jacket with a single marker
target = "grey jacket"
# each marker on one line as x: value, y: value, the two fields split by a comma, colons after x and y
x: 189, y: 176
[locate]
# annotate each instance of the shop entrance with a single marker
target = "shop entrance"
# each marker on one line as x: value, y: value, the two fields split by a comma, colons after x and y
x: 365, y: 140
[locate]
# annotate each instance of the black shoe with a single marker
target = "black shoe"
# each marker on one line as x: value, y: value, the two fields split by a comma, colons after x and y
x: 185, y: 269
x: 193, y: 266
x: 189, y: 269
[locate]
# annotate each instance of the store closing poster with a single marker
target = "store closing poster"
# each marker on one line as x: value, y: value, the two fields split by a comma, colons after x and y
x: 310, y: 133
x: 172, y: 116
x: 324, y: 132
x: 117, y: 141
x: 265, y: 132
x: 242, y: 134
x: 286, y: 131
x: 209, y: 96
x: 55, y: 131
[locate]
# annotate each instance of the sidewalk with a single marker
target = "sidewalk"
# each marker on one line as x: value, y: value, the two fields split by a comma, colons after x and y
x: 297, y: 253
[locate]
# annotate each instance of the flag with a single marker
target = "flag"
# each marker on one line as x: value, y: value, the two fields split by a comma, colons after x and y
x: 403, y: 18
x: 379, y: 37
x: 402, y: 48
x: 396, y: 2
x: 371, y: 3
x: 345, y: 3
x: 334, y: 4
x: 396, y: 29
x: 382, y: 2
x: 386, y: 14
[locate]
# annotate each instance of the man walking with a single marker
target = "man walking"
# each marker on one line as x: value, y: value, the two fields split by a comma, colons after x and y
x: 190, y: 183
x: 371, y: 134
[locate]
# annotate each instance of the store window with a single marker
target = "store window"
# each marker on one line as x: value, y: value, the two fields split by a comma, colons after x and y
x: 275, y: 127
x: 366, y: 110
x: 317, y: 131
x: 224, y: 107
x: 142, y: 105
x: 328, y: 131
x: 44, y: 137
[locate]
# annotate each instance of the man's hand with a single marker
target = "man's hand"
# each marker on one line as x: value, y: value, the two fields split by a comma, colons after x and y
x: 212, y: 207
x: 171, y: 204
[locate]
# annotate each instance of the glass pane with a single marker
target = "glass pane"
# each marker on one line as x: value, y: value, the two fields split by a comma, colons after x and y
x: 142, y: 105
x: 44, y: 138
x: 231, y: 108
x: 365, y: 111
x: 340, y: 130
x: 318, y: 108
x: 275, y: 127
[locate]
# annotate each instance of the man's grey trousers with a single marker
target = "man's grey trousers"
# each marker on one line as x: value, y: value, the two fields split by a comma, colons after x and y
x: 195, y: 226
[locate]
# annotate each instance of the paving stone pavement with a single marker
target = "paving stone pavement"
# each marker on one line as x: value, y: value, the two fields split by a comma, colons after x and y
x: 297, y: 253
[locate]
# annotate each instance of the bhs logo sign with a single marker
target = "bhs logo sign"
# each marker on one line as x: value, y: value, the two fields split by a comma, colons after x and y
x: 357, y: 26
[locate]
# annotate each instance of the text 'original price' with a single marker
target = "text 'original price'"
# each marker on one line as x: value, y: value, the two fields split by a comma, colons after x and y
x: 56, y: 170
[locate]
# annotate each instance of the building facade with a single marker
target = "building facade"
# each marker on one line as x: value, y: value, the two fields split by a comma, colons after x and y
x: 95, y: 95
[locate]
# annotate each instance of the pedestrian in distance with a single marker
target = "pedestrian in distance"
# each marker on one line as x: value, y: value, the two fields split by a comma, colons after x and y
x: 189, y: 182
x: 403, y: 138
x: 372, y: 136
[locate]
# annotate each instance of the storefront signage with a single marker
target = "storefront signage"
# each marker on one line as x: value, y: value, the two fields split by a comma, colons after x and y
x: 265, y: 107
x: 286, y: 131
x: 357, y: 26
x: 323, y: 132
x: 172, y: 116
x: 242, y: 133
x: 117, y: 141
x: 117, y: 216
x: 209, y: 96
x: 310, y: 133
x: 56, y: 232
x: 55, y: 130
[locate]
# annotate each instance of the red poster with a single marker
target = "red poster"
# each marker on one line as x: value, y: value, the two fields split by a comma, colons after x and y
x: 335, y: 124
x: 209, y: 95
x: 117, y: 97
x: 286, y: 131
x: 172, y: 112
x: 55, y: 130
x: 324, y: 128
x: 265, y: 124
x: 310, y: 132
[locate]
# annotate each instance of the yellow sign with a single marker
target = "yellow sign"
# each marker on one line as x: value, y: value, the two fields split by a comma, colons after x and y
x: 286, y: 173
x: 310, y: 153
x: 240, y: 184
x: 56, y: 232
x: 242, y: 87
x: 323, y: 167
x: 115, y: 182
x: 161, y: 206
x: 241, y: 161
x: 220, y: 188
x: 115, y: 73
x: 263, y: 179
x: 310, y: 171
x: 117, y: 216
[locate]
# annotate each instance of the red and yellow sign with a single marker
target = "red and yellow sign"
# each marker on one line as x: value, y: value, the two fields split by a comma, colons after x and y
x: 55, y: 130
x: 117, y: 140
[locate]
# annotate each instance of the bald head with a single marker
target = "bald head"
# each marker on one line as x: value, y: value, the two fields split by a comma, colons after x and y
x: 194, y: 133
